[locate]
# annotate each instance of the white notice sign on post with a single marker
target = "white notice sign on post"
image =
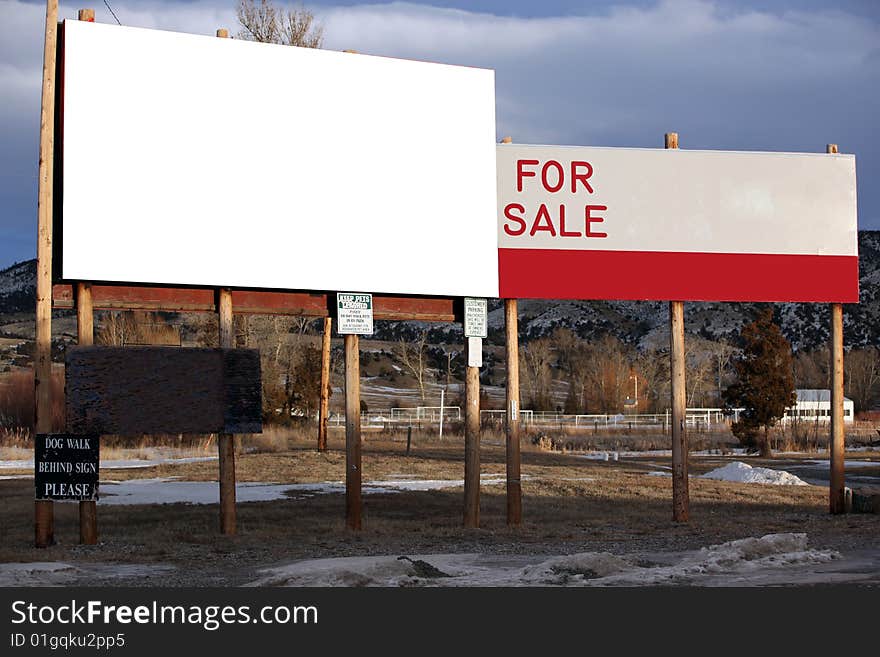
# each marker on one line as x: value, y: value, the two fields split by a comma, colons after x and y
x: 354, y: 313
x: 475, y: 321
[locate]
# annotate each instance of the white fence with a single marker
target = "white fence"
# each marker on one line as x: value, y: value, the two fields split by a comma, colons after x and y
x: 425, y: 416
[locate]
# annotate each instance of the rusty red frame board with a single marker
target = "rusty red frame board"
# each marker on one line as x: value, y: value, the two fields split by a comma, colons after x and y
x: 253, y: 302
x: 149, y: 390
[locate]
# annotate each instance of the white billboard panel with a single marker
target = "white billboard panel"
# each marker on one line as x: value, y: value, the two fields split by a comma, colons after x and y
x: 204, y: 161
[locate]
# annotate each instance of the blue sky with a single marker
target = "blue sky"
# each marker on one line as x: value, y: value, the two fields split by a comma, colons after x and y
x: 786, y: 75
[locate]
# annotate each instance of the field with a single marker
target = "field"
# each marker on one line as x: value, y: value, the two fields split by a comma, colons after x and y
x: 572, y: 504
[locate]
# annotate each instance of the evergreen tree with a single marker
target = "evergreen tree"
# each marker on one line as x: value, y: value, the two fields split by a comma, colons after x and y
x: 764, y: 385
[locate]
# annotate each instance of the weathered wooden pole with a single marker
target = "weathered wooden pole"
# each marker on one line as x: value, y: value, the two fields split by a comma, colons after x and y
x: 837, y: 501
x: 324, y: 407
x: 85, y: 335
x: 352, y: 433
x: 471, y: 440
x: 680, y: 497
x: 512, y: 417
x: 226, y: 441
x: 511, y: 421
x: 44, y: 510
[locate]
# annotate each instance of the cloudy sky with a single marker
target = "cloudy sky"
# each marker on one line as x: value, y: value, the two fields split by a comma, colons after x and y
x: 777, y: 75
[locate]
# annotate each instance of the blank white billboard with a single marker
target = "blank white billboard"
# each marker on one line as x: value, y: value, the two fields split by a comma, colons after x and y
x: 203, y: 161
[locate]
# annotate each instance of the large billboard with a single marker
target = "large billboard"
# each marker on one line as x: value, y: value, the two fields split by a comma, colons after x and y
x: 194, y: 160
x: 623, y: 223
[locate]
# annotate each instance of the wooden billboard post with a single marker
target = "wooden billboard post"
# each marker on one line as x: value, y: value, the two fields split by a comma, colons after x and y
x: 352, y: 433
x: 226, y: 441
x: 85, y: 335
x: 471, y: 443
x: 473, y: 340
x: 511, y: 424
x: 680, y: 499
x: 837, y: 499
x: 324, y: 407
x: 44, y: 511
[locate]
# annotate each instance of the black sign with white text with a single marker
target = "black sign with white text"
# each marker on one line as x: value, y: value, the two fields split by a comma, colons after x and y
x: 66, y: 466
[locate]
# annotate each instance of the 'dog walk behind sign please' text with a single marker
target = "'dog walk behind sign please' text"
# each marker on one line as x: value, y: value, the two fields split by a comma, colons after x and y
x: 66, y: 466
x: 354, y: 313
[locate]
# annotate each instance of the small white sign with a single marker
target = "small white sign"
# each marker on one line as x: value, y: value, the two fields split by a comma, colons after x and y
x: 475, y: 352
x: 354, y: 313
x: 475, y: 321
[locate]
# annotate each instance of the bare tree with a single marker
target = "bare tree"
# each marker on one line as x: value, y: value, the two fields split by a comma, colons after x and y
x: 862, y: 369
x: 119, y: 328
x: 535, y: 360
x: 412, y: 354
x: 264, y: 22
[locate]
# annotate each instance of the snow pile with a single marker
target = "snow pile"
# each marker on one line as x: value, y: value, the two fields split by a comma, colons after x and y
x: 42, y: 573
x: 774, y: 558
x: 575, y: 568
x: 744, y: 473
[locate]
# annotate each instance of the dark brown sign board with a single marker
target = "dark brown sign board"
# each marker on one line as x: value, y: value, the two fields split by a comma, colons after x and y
x: 66, y: 467
x: 144, y: 390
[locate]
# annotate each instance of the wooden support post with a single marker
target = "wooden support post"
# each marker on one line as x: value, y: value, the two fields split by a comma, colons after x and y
x: 44, y: 511
x: 837, y: 445
x: 836, y: 442
x: 324, y: 407
x: 226, y: 441
x: 680, y: 496
x: 680, y: 499
x: 512, y: 423
x: 85, y: 332
x: 471, y: 443
x: 352, y: 433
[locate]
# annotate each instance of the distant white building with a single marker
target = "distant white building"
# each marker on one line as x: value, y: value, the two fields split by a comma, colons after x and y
x: 815, y: 406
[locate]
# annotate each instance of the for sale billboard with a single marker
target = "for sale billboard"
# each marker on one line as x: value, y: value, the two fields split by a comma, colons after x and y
x: 625, y: 223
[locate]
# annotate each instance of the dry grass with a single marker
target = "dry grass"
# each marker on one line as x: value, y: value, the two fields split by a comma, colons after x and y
x: 570, y: 505
x: 17, y: 406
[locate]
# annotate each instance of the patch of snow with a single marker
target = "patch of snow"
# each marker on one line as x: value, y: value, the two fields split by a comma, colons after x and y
x: 115, y: 464
x: 738, y: 471
x: 767, y: 559
x: 850, y: 465
x: 169, y: 490
x: 40, y: 573
x: 65, y: 574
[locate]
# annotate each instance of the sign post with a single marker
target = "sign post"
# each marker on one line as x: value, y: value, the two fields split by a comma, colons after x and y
x: 680, y: 497
x: 324, y: 407
x: 354, y: 317
x: 475, y: 329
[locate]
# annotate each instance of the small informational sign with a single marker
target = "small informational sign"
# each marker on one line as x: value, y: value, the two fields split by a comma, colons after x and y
x: 475, y: 352
x: 66, y: 467
x: 475, y: 322
x: 354, y: 313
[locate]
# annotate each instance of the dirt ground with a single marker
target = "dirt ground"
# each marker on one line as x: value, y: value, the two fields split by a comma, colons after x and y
x: 570, y: 504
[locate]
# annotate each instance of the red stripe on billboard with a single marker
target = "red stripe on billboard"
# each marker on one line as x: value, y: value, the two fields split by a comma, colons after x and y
x: 664, y: 276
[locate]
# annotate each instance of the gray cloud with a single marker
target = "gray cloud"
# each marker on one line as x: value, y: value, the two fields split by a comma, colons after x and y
x: 723, y: 78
